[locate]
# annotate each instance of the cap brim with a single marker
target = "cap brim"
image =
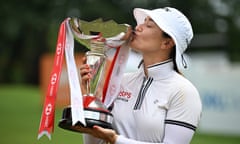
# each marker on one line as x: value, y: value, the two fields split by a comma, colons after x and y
x: 140, y: 15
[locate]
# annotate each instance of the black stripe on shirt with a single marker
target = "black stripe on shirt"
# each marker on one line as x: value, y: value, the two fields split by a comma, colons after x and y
x: 142, y: 92
x: 139, y: 94
x: 179, y: 123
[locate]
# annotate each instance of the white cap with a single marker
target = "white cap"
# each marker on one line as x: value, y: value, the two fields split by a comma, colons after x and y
x: 172, y: 22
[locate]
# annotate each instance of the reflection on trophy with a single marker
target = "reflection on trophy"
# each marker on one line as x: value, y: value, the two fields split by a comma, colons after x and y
x: 95, y: 112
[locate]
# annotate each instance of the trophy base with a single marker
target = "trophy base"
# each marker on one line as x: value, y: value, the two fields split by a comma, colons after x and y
x: 92, y: 117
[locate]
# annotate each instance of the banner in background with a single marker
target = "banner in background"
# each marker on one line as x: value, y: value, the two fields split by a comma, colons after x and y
x: 217, y: 80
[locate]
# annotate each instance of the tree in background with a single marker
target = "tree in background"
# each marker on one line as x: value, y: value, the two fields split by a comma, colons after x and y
x: 30, y: 29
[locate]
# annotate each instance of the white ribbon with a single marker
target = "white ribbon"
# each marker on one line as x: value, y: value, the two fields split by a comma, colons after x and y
x: 75, y: 91
x: 116, y: 75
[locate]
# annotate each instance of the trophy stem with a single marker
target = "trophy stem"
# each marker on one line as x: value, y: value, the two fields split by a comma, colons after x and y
x: 96, y: 59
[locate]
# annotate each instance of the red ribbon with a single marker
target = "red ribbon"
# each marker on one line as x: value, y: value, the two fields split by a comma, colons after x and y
x: 105, y: 87
x: 48, y: 113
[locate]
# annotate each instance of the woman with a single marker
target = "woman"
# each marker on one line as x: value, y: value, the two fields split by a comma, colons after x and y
x: 162, y: 106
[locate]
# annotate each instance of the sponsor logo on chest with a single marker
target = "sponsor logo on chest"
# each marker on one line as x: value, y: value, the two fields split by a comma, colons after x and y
x: 124, y: 95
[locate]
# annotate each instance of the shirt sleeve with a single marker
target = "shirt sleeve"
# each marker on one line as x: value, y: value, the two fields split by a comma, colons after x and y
x: 184, y: 107
x: 174, y: 134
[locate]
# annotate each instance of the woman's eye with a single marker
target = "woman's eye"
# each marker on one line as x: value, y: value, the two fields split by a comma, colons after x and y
x: 149, y: 26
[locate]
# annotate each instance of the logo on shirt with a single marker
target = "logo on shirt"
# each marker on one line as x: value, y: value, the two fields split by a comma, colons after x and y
x: 124, y: 95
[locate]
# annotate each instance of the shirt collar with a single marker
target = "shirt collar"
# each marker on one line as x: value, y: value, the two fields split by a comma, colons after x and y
x: 160, y: 70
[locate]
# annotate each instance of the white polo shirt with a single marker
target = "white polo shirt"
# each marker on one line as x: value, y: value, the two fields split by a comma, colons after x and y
x: 145, y: 104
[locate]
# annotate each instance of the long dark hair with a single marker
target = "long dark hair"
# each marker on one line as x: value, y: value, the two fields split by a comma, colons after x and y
x: 172, y: 54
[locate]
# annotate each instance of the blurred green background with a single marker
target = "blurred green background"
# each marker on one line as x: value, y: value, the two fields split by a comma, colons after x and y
x: 29, y: 30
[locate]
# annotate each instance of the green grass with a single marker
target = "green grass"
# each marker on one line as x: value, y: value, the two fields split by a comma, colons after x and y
x: 215, y: 139
x: 20, y: 110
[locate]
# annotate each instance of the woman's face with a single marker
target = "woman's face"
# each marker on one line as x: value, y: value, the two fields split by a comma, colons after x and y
x: 148, y: 37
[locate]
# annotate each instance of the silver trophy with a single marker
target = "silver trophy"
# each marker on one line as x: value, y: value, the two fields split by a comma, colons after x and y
x: 92, y: 35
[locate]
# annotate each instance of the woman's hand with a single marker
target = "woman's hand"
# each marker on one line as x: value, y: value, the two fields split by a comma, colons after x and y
x: 108, y: 135
x: 128, y: 33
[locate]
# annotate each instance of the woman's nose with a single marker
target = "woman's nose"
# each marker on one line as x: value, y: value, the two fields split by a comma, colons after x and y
x: 139, y: 28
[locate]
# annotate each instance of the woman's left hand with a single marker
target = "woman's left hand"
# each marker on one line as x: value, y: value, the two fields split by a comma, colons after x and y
x: 107, y: 135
